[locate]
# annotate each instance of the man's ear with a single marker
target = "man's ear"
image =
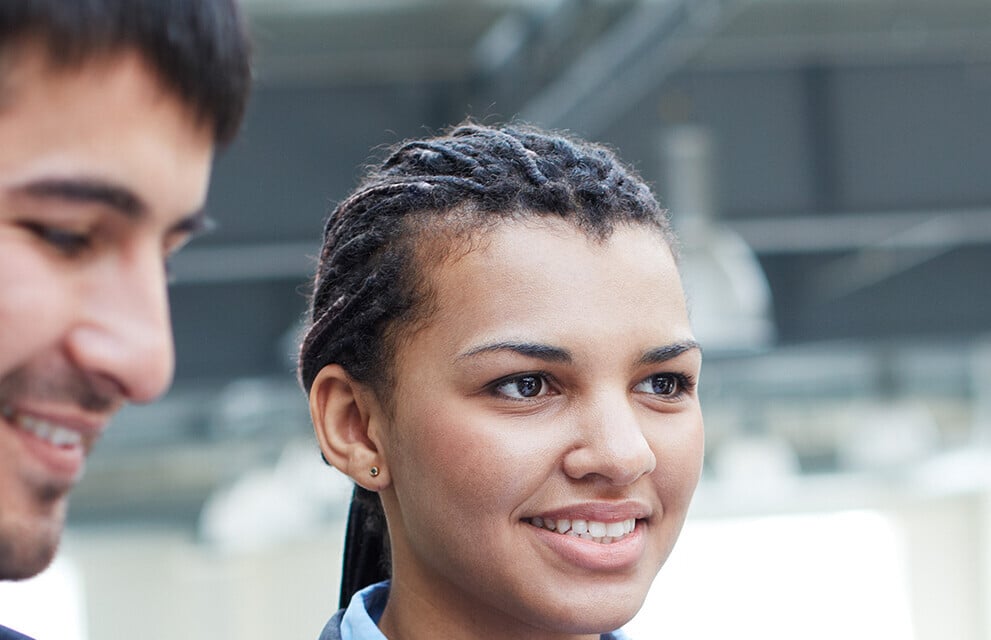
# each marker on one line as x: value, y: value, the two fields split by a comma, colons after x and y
x: 342, y: 410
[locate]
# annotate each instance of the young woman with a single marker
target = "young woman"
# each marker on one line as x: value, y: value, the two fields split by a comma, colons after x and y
x: 500, y: 357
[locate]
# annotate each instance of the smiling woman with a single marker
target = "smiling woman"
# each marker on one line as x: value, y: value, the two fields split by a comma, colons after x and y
x: 500, y: 357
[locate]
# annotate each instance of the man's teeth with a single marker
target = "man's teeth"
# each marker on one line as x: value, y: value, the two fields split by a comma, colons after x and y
x: 603, y: 532
x: 44, y: 430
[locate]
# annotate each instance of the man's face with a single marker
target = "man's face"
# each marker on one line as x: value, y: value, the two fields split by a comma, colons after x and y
x: 103, y: 174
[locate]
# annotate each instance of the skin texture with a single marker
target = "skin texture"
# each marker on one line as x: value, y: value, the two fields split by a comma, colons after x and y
x: 103, y: 175
x: 465, y: 461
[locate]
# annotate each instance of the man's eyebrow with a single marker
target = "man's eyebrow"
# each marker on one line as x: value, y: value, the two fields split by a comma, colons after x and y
x: 529, y: 349
x: 85, y: 191
x: 667, y: 352
x: 120, y: 199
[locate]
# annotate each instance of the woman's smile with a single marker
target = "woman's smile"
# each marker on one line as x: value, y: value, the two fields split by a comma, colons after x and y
x: 598, y: 555
x: 594, y: 530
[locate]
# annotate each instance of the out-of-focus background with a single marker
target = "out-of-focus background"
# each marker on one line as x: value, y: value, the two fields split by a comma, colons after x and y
x: 827, y: 164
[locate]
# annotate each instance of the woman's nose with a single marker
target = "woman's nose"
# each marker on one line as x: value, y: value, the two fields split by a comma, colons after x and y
x: 611, y: 443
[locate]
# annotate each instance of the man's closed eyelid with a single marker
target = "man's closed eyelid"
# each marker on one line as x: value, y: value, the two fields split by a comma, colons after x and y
x: 67, y: 242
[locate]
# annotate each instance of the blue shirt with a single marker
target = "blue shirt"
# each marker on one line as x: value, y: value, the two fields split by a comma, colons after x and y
x: 360, y: 620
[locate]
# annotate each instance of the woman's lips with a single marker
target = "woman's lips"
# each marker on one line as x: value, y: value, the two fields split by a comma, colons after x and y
x: 580, y: 545
x: 596, y: 531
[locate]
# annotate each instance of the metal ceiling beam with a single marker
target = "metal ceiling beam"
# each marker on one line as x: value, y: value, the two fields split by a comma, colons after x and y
x: 658, y: 37
x: 890, y: 231
x: 905, y: 231
x: 245, y: 263
x: 629, y: 61
x: 784, y: 51
x: 330, y: 7
x: 508, y: 37
x: 877, y: 246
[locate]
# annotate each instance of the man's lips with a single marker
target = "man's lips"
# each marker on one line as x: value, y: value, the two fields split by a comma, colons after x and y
x: 60, y: 429
x: 59, y: 441
x: 50, y: 431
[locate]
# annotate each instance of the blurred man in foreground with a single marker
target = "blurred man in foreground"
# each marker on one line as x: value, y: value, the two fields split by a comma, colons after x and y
x: 110, y: 112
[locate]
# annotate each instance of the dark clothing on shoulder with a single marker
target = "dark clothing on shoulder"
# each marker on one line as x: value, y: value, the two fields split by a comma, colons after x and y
x: 333, y: 629
x: 10, y: 634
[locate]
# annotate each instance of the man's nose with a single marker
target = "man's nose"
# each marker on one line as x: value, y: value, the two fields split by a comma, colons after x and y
x: 123, y: 331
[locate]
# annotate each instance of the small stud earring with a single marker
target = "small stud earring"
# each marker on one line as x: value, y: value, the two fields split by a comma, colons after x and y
x: 374, y: 472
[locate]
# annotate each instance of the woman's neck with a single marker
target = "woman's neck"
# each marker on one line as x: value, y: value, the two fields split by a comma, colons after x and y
x: 418, y: 614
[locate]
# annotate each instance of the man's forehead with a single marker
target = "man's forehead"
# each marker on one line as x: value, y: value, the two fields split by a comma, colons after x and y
x: 96, y: 132
x: 33, y: 59
x: 28, y: 58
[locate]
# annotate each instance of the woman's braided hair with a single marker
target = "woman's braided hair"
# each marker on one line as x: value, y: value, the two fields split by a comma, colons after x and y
x: 370, y: 283
x: 474, y: 176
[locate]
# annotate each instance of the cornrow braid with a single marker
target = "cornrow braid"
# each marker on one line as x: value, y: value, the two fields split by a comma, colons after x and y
x: 367, y: 278
x: 369, y: 281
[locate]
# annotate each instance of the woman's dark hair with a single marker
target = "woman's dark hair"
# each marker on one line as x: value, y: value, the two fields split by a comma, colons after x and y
x: 199, y: 48
x: 370, y: 283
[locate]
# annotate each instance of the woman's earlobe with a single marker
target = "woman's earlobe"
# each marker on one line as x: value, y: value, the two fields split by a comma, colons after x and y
x: 341, y: 414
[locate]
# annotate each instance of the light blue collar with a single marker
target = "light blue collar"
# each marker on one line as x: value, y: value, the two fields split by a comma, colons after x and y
x: 360, y: 621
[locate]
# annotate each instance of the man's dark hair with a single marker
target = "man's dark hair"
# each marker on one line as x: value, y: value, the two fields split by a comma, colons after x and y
x: 425, y: 196
x: 198, y: 48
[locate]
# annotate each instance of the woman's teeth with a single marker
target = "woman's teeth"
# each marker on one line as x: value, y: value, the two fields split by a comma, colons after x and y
x: 601, y: 532
x: 44, y: 430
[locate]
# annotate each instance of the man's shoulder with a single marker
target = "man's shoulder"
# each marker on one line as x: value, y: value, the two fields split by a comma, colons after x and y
x: 10, y: 634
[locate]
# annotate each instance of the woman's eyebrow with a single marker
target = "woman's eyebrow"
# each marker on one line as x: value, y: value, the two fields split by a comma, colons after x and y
x: 667, y: 352
x: 529, y: 349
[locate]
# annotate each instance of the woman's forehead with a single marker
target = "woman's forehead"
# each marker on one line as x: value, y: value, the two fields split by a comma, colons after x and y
x: 448, y: 237
x: 556, y: 245
x: 553, y: 279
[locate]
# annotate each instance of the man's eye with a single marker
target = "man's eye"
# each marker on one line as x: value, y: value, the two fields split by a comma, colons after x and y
x: 668, y: 385
x: 529, y: 385
x: 69, y: 243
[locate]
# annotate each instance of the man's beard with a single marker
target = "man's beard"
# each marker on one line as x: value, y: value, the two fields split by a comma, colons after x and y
x: 29, y: 534
x: 58, y: 383
x: 28, y: 546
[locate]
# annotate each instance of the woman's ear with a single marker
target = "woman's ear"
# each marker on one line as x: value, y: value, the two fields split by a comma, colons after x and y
x: 342, y: 410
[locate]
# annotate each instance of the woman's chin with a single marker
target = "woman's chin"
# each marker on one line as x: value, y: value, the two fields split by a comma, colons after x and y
x: 595, y: 611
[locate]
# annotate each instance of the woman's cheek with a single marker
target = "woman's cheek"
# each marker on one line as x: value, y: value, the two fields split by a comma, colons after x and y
x: 679, y: 447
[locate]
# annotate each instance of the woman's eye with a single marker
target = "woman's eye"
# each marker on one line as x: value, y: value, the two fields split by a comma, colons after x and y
x: 525, y: 386
x: 668, y: 385
x: 68, y: 243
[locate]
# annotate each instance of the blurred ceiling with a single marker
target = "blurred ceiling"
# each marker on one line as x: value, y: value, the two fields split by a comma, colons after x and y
x: 854, y: 139
x: 382, y: 41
